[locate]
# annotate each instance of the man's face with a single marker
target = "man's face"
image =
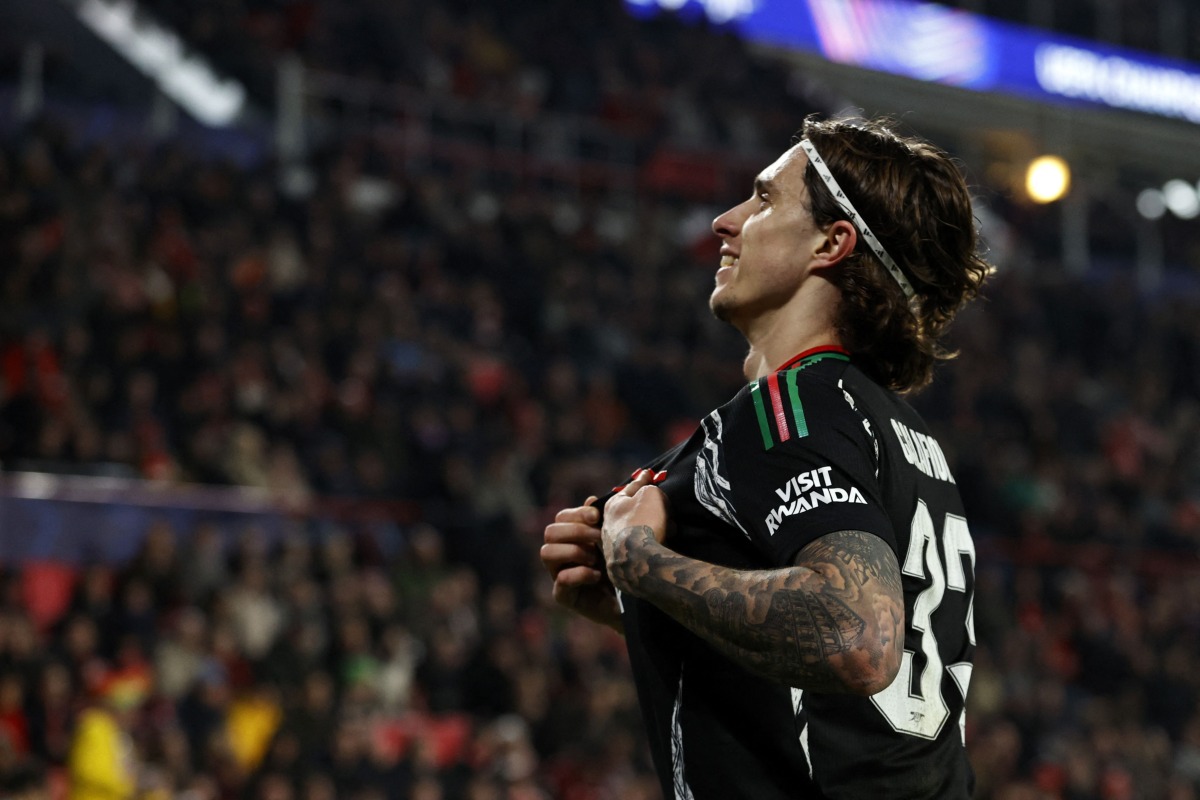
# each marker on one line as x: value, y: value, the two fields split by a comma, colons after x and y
x: 766, y: 241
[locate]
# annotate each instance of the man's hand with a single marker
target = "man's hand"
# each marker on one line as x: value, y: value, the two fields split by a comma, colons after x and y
x: 633, y: 517
x: 571, y: 554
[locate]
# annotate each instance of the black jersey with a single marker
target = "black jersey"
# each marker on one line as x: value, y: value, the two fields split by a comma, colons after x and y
x: 812, y: 449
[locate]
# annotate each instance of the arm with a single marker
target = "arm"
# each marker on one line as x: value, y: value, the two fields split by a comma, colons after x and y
x: 833, y: 622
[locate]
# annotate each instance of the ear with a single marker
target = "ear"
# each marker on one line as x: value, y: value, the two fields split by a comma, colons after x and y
x: 839, y: 242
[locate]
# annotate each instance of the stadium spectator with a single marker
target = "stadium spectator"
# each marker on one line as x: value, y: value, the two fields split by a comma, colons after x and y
x: 104, y: 762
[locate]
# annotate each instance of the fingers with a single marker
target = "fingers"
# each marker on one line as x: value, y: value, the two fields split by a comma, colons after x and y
x: 646, y: 479
x: 557, y: 556
x: 640, y: 478
x: 577, y: 577
x: 587, y: 513
x: 574, y: 538
x: 571, y: 533
x: 572, y: 542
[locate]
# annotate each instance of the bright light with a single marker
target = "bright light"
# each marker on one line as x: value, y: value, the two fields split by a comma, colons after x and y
x: 1182, y: 199
x: 719, y: 11
x: 1047, y: 179
x: 160, y: 54
x: 1151, y: 204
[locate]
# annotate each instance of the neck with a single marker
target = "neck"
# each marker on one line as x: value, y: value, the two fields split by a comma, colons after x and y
x: 761, y: 362
x: 803, y: 324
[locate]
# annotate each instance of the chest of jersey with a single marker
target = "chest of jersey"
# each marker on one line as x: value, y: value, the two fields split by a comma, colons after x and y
x: 751, y: 501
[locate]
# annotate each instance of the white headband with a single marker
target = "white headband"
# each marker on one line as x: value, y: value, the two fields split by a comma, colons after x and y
x: 855, y: 218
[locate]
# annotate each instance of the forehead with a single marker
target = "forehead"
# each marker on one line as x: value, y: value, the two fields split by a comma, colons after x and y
x: 787, y: 171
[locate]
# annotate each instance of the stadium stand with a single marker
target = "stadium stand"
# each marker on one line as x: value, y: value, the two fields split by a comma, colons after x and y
x: 414, y: 364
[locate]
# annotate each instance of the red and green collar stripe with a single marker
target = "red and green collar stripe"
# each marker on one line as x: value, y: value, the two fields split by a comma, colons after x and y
x: 815, y: 354
x: 780, y: 413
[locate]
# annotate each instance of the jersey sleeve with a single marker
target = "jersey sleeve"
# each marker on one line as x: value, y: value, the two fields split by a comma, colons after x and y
x: 801, y: 462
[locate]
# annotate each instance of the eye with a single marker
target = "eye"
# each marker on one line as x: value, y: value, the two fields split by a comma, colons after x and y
x: 763, y: 198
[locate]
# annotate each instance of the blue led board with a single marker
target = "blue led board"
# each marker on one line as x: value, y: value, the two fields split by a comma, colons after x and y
x: 943, y: 45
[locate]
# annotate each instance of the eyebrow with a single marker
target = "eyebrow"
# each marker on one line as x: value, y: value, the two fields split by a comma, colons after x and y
x: 761, y: 186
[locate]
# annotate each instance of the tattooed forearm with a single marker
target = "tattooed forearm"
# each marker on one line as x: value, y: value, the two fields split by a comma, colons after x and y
x: 834, y: 622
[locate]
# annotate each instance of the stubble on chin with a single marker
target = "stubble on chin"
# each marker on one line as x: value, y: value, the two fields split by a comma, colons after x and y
x: 720, y: 307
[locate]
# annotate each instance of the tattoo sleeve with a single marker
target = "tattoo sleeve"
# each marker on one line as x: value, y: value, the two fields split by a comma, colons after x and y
x: 834, y: 622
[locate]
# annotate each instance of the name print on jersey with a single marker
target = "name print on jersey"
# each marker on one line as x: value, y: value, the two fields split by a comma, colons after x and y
x: 923, y: 452
x: 818, y: 483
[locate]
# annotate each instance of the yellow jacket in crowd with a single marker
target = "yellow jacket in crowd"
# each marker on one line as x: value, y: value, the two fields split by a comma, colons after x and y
x: 101, y: 765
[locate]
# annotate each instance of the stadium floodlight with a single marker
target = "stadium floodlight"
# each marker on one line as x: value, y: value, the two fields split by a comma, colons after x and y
x: 1151, y: 204
x: 162, y: 56
x: 1181, y: 198
x: 1047, y: 179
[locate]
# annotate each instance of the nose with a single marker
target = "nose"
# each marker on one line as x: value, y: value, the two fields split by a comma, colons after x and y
x: 729, y: 224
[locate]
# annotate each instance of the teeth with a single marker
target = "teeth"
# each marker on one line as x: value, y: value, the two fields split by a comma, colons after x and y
x: 728, y: 261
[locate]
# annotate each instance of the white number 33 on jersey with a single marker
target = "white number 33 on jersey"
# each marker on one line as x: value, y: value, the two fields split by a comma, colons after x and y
x: 923, y: 712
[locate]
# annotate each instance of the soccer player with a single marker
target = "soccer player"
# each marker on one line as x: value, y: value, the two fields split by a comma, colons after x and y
x: 795, y: 581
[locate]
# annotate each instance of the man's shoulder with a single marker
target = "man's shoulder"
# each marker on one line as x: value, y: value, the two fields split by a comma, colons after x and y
x: 790, y: 408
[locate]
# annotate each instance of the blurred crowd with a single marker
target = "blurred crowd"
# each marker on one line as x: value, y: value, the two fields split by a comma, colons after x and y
x: 313, y: 672
x: 493, y: 349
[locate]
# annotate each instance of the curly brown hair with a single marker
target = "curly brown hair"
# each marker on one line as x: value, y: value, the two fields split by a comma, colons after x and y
x: 917, y: 204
